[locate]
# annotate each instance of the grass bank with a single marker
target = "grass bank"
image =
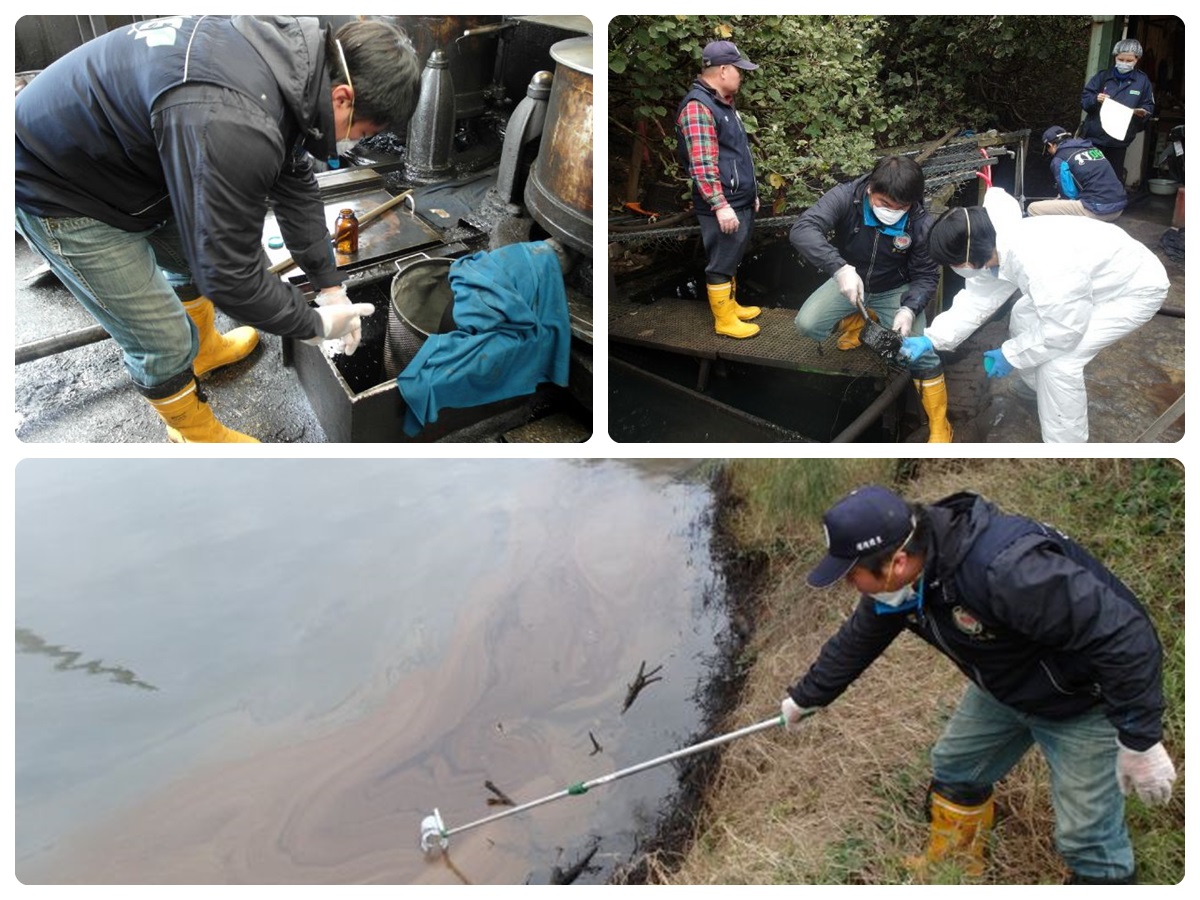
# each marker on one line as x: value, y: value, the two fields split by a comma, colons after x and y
x: 841, y: 802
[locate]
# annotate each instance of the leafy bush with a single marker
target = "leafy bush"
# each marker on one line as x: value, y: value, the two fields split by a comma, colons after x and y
x: 833, y: 91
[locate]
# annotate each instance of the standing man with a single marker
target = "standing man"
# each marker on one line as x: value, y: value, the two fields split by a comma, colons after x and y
x: 870, y: 236
x: 1087, y: 184
x: 1058, y: 652
x: 715, y: 153
x: 146, y: 161
x: 1123, y: 83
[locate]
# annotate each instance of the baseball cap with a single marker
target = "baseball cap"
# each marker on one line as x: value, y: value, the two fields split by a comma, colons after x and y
x: 1054, y: 135
x: 725, y: 53
x: 864, y: 521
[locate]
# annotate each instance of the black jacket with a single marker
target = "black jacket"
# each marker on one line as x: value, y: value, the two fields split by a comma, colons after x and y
x: 881, y: 261
x: 203, y: 118
x: 1025, y: 613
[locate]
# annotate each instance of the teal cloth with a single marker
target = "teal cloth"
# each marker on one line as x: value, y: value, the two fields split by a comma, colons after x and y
x: 512, y: 333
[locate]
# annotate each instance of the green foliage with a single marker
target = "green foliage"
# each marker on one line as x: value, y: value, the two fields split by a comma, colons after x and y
x: 981, y: 72
x: 832, y: 92
x: 809, y: 131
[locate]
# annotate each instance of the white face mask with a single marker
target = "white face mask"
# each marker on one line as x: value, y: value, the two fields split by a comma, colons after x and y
x: 895, y: 598
x: 1124, y: 67
x: 887, y: 215
x: 344, y: 147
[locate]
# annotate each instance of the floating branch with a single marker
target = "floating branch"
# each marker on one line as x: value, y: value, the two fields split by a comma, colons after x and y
x: 639, y: 684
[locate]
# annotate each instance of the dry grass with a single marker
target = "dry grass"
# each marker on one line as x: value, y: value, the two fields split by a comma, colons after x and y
x: 841, y: 801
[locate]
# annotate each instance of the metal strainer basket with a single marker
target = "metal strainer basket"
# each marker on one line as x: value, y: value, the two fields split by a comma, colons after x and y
x: 422, y: 303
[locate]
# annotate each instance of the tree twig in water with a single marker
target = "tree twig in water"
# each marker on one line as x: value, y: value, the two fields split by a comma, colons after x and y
x: 501, y: 798
x: 639, y: 684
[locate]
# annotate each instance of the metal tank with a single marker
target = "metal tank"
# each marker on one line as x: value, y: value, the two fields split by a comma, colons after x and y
x: 559, y: 191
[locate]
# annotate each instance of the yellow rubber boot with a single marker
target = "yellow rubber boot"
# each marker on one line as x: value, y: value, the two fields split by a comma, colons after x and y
x: 723, y: 310
x: 745, y: 313
x: 933, y: 397
x: 190, y: 420
x: 217, y: 350
x: 957, y: 834
x: 849, y: 330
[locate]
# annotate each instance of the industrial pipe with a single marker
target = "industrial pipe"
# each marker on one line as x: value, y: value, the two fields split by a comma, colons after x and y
x: 93, y: 334
x: 874, y: 411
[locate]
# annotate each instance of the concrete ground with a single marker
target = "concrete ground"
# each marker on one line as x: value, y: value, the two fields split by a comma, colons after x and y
x: 1130, y: 384
x: 84, y: 395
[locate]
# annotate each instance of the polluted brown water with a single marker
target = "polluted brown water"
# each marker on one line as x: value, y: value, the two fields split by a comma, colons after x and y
x: 282, y: 688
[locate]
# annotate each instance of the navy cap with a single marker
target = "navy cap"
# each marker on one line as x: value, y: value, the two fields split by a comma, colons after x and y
x: 725, y: 53
x: 866, y: 520
x: 1054, y: 135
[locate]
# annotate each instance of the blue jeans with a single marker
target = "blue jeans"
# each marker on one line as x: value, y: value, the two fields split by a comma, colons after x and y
x: 826, y: 306
x: 984, y: 739
x: 118, y: 276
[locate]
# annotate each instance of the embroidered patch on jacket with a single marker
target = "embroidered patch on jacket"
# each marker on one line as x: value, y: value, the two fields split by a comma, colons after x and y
x: 966, y: 623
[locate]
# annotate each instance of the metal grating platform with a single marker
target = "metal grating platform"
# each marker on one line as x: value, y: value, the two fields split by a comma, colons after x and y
x: 685, y: 326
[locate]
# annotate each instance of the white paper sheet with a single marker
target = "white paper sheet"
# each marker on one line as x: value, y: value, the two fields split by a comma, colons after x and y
x: 1114, y: 118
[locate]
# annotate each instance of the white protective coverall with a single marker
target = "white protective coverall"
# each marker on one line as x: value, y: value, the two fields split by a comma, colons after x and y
x: 1084, y: 284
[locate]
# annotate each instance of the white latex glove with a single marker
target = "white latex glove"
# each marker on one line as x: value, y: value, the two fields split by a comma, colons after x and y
x: 340, y: 318
x: 793, y: 714
x: 1148, y: 773
x: 849, y: 284
x: 903, y: 322
x: 727, y: 219
x: 333, y: 296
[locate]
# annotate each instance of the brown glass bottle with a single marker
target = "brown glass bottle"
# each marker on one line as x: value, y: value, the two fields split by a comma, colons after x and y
x: 345, y: 232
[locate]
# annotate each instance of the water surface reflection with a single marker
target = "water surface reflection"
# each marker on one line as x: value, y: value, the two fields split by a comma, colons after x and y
x: 336, y: 647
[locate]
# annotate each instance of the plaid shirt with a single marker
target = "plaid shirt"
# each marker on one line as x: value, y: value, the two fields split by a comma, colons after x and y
x: 700, y: 131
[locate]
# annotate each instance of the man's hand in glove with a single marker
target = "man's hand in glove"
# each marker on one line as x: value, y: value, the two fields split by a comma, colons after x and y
x: 849, y: 284
x: 340, y: 318
x: 996, y: 364
x: 793, y: 714
x: 903, y: 322
x: 1148, y: 773
x: 912, y: 348
x: 727, y: 220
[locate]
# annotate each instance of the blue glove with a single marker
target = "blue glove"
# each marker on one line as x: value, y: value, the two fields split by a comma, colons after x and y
x: 913, y: 347
x: 995, y: 364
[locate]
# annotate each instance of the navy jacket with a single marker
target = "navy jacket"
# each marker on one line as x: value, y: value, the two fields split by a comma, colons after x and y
x: 884, y: 263
x: 1083, y: 174
x: 733, y: 159
x: 204, y: 119
x: 1025, y: 613
x: 1133, y: 90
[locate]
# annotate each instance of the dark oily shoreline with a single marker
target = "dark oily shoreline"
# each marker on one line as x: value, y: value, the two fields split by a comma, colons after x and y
x: 669, y: 839
x: 743, y: 576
